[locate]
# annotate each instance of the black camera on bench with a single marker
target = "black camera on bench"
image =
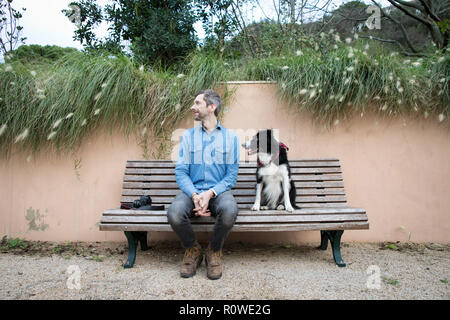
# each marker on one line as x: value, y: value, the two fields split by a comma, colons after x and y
x: 144, y: 203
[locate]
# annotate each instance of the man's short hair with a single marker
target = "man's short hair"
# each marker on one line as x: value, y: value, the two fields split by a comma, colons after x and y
x: 211, y: 97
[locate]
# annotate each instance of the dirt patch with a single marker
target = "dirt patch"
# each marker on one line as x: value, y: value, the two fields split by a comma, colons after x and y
x: 90, y: 250
x: 413, y: 247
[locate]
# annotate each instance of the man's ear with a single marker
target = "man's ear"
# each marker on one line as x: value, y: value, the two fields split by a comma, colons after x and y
x: 213, y: 107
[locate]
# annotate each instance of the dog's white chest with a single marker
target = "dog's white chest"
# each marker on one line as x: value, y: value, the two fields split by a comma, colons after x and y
x: 270, y: 171
x: 273, y: 172
x: 272, y: 176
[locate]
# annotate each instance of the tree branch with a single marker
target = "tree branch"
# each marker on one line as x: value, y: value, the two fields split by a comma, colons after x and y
x: 409, y: 13
x: 409, y: 4
x: 429, y: 11
x: 404, y: 32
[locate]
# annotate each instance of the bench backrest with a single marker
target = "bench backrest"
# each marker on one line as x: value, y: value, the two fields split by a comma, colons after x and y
x: 318, y: 182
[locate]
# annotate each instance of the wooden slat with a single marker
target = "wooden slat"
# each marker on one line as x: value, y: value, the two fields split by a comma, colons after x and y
x: 291, y: 218
x: 239, y: 185
x: 247, y: 206
x: 241, y: 228
x: 235, y: 191
x: 300, y: 192
x: 249, y: 199
x: 304, y: 205
x: 295, y: 160
x: 309, y: 211
x: 292, y: 164
x: 240, y: 178
x: 137, y: 171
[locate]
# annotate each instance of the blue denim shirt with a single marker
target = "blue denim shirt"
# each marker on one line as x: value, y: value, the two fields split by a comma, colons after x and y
x: 207, y: 160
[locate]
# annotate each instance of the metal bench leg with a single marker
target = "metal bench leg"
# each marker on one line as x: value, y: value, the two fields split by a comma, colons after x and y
x: 323, y: 241
x: 132, y: 244
x: 335, y: 240
x: 142, y: 237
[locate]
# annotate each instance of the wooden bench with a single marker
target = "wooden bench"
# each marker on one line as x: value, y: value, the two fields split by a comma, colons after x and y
x: 320, y: 195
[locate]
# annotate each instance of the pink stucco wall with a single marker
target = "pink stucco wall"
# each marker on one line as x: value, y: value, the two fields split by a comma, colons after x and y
x: 398, y: 169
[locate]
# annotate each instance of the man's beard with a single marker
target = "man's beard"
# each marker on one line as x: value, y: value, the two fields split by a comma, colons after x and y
x: 199, y: 117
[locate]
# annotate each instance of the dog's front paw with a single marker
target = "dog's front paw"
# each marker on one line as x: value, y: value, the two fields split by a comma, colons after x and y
x: 289, y: 208
x: 264, y: 208
x: 255, y: 207
x: 280, y: 207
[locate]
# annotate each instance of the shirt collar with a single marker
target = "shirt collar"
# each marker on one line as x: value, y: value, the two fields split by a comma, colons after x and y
x: 219, y: 126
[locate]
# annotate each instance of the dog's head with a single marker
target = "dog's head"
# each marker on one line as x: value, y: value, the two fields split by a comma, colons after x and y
x: 263, y: 143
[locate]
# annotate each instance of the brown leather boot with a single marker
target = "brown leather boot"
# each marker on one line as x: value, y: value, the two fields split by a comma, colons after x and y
x: 213, y: 262
x: 191, y: 261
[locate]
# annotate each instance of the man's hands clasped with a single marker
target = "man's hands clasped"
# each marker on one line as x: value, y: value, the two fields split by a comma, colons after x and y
x: 201, y: 202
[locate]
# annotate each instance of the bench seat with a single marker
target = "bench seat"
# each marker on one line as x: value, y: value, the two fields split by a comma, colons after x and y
x: 320, y: 196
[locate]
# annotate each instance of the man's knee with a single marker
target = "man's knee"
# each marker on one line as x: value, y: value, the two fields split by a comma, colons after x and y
x: 174, y: 215
x: 178, y: 211
x: 228, y: 211
x: 229, y: 220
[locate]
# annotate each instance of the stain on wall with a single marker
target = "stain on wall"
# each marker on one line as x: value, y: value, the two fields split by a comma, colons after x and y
x: 35, y: 220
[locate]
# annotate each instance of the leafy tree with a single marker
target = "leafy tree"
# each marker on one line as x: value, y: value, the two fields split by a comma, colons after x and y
x: 263, y: 38
x: 156, y: 30
x: 219, y: 21
x: 9, y: 28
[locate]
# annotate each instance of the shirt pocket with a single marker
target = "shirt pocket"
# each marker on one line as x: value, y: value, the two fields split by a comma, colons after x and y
x: 196, y: 155
x: 221, y: 154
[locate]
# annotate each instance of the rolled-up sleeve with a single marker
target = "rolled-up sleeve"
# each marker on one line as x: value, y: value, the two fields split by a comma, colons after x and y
x: 182, y: 177
x: 232, y: 169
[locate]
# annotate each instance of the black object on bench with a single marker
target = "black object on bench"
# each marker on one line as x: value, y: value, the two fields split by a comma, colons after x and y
x: 320, y: 195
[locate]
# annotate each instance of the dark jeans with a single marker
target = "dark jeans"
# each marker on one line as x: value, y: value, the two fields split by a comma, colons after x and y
x: 223, y: 208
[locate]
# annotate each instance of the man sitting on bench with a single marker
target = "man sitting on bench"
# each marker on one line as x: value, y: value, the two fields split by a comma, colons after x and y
x: 206, y: 170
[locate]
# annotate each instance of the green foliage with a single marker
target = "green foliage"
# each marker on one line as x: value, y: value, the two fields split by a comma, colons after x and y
x: 54, y: 106
x: 392, y: 247
x: 98, y: 258
x: 264, y: 38
x: 157, y: 30
x: 390, y: 281
x: 72, y: 97
x: 38, y: 54
x: 14, y: 243
x: 444, y: 26
x: 219, y: 20
x: 348, y: 80
x: 58, y: 106
x: 10, y: 29
x: 90, y: 17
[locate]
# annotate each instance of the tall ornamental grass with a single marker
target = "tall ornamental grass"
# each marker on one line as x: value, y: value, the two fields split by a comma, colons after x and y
x: 56, y: 105
x: 354, y: 79
x: 62, y: 103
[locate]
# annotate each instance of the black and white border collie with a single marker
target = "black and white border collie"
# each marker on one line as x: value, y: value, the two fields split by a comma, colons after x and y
x: 274, y: 188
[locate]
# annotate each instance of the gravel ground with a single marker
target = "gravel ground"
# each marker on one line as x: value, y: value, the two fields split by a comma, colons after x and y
x: 251, y: 271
